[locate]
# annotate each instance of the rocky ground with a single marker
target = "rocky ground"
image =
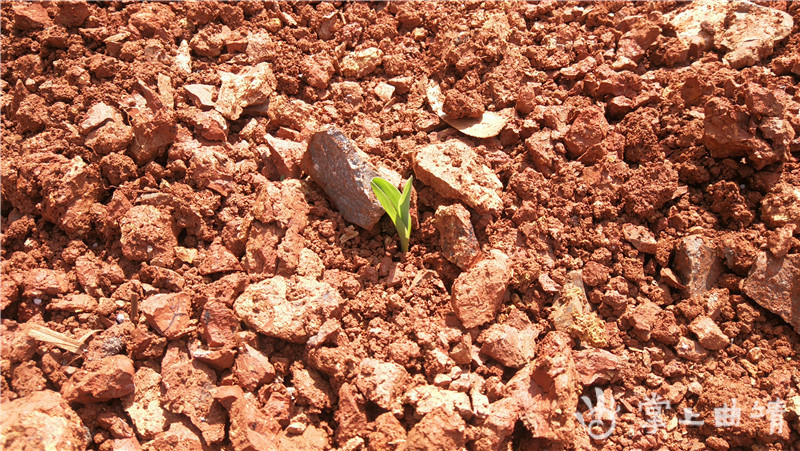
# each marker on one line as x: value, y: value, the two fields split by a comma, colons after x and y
x: 606, y: 211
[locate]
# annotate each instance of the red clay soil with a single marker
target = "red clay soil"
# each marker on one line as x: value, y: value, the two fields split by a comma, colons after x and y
x: 173, y: 178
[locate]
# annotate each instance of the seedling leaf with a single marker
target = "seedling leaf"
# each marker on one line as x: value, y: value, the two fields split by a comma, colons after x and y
x: 396, y: 205
x: 405, y: 205
x: 387, y: 195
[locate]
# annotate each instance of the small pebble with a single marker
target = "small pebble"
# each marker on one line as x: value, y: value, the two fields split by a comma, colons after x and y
x: 120, y: 318
x: 37, y: 301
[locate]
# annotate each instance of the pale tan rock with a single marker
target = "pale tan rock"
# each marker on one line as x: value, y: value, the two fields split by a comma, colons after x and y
x: 41, y: 420
x: 382, y: 382
x: 361, y: 63
x: 456, y: 171
x: 144, y: 404
x: 201, y: 95
x: 264, y: 307
x: 781, y: 207
x: 573, y: 315
x: 708, y: 333
x: 745, y: 31
x: 425, y: 398
x: 252, y: 86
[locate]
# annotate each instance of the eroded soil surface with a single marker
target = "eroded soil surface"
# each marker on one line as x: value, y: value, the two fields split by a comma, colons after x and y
x: 170, y: 181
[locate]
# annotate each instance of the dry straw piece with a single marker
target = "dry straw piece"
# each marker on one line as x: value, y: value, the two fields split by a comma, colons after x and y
x: 63, y: 341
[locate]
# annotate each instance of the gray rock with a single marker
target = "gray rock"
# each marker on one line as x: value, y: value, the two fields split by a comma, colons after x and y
x: 775, y: 284
x: 697, y: 264
x: 456, y: 235
x: 345, y: 173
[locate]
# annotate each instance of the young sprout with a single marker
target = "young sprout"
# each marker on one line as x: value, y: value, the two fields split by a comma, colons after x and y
x: 397, y: 205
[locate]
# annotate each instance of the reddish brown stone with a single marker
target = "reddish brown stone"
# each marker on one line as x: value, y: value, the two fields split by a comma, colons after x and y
x: 382, y: 382
x: 312, y: 389
x: 587, y: 131
x: 285, y: 155
x: 27, y: 378
x: 596, y: 366
x: 219, y: 358
x: 513, y: 343
x: 169, y: 314
x: 640, y: 237
x: 188, y: 385
x: 479, y: 292
x: 148, y: 234
x: 144, y: 404
x: 154, y: 125
x: 547, y: 390
x: 708, y: 333
x: 216, y: 259
x: 30, y: 16
x: 251, y: 428
x: 101, y: 380
x: 42, y: 420
x: 459, y: 105
x: 41, y: 282
x: 697, y: 264
x: 440, y: 429
x: 178, y: 436
x: 690, y: 350
x: 318, y: 70
x: 350, y: 415
x: 218, y: 324
x: 252, y: 368
x: 726, y: 134
x: 388, y: 432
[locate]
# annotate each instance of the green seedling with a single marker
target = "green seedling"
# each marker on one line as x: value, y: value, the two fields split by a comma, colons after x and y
x: 397, y: 205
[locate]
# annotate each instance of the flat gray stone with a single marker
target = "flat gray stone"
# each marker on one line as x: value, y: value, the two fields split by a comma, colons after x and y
x: 345, y: 173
